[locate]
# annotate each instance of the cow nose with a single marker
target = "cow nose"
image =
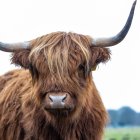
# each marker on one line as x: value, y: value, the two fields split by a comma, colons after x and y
x: 57, y: 101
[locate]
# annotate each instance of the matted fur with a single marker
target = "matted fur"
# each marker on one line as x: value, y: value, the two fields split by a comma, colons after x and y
x: 56, y: 48
x: 57, y: 62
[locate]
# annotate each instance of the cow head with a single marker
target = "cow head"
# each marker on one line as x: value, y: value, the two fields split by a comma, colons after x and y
x: 61, y: 64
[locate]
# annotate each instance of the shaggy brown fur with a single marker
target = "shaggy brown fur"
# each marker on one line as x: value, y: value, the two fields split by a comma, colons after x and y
x: 55, y: 62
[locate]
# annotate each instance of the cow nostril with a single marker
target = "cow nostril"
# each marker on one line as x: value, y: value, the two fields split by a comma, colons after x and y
x: 57, y: 98
x: 50, y: 99
x: 60, y: 101
x: 65, y: 96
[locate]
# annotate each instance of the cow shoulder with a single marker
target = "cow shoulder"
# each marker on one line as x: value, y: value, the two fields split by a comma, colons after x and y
x: 13, y: 85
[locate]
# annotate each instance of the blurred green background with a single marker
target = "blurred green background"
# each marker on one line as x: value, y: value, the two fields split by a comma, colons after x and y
x: 124, y: 124
x: 129, y: 133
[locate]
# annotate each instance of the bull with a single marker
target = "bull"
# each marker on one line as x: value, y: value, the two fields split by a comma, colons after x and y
x: 53, y: 96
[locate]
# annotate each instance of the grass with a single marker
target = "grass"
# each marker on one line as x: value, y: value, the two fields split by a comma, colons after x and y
x: 122, y: 133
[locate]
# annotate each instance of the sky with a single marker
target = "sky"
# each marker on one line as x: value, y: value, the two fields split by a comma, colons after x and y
x: 118, y: 81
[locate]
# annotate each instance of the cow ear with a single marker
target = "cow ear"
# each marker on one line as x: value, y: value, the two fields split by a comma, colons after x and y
x: 21, y: 58
x: 99, y: 55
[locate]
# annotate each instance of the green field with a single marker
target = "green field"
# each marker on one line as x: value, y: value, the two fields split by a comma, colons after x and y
x: 122, y: 134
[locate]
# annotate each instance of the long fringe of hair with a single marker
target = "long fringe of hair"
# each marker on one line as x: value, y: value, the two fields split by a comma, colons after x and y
x: 55, y: 47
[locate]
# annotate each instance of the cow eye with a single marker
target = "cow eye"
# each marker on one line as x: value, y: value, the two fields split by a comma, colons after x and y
x: 81, y: 67
x: 33, y: 71
x: 81, y: 70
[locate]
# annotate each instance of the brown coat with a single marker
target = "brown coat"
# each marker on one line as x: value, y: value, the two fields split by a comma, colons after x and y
x: 22, y: 116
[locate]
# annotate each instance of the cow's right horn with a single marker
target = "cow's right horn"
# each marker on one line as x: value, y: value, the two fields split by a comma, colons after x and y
x: 111, y: 41
x: 12, y: 47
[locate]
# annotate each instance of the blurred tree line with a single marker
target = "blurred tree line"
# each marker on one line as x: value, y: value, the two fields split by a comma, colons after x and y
x: 124, y: 116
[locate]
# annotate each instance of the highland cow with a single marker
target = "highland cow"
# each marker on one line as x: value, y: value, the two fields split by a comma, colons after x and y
x: 53, y: 96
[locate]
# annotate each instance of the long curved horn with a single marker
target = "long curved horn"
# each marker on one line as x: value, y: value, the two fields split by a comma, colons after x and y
x: 106, y: 42
x: 11, y: 47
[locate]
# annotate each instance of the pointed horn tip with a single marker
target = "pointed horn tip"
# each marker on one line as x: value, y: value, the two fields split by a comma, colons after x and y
x: 134, y: 3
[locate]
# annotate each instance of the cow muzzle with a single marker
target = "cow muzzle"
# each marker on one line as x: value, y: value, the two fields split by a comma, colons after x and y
x: 59, y: 101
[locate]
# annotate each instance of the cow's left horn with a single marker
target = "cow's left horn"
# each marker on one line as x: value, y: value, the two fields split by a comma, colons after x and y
x: 106, y: 42
x: 11, y: 47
